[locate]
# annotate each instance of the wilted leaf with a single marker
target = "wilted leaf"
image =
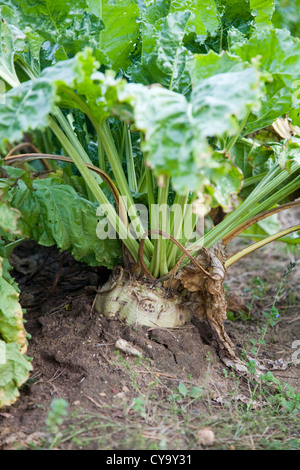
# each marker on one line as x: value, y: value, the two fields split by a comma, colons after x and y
x: 8, y: 218
x: 13, y: 373
x: 11, y: 314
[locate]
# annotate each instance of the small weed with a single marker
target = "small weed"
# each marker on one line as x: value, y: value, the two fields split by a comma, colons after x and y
x: 284, y: 396
x: 55, y: 418
x: 58, y: 411
x: 272, y: 317
x: 138, y: 405
x: 183, y: 392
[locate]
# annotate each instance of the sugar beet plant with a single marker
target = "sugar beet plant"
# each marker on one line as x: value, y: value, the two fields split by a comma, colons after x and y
x: 144, y: 136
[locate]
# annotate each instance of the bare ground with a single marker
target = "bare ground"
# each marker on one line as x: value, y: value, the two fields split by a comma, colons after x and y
x: 177, y: 387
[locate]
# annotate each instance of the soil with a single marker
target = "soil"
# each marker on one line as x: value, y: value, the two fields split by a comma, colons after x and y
x: 75, y: 356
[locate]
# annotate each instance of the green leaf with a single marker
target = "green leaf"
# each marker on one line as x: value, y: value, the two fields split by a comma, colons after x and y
x: 263, y: 11
x: 223, y: 182
x: 9, y: 218
x: 265, y: 227
x: 2, y: 352
x: 67, y: 25
x: 28, y: 46
x: 151, y: 11
x: 182, y: 389
x: 62, y: 73
x: 11, y: 42
x: 164, y: 57
x: 196, y: 392
x: 118, y: 38
x: 253, y: 158
x: 54, y: 214
x: 14, y: 367
x: 234, y: 14
x: 204, y: 19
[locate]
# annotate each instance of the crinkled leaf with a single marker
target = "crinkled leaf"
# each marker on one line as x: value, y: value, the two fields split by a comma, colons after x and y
x: 54, y: 214
x: 2, y: 352
x: 67, y: 25
x: 164, y: 57
x: 26, y: 108
x: 204, y: 19
x: 79, y: 78
x: 14, y: 366
x: 151, y: 11
x: 278, y: 56
x: 7, y: 268
x: 234, y: 14
x: 61, y: 29
x: 237, y: 14
x: 8, y: 216
x: 277, y: 50
x: 205, y: 65
x: 221, y: 101
x: 170, y: 143
x: 62, y: 73
x: 252, y: 159
x: 29, y: 43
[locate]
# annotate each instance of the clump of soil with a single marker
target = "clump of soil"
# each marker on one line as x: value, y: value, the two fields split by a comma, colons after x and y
x: 74, y: 349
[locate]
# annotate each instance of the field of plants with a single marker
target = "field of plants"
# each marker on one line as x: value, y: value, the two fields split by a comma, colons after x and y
x: 149, y: 224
